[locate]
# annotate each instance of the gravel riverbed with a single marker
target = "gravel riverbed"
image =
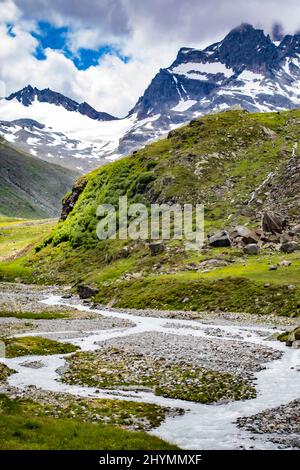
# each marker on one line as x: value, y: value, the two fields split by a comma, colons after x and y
x: 240, y: 344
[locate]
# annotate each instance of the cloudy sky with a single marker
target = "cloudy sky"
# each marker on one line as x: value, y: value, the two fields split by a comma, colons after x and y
x: 106, y: 52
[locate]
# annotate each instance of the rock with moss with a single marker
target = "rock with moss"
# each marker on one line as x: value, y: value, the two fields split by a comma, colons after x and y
x: 5, y: 372
x: 291, y: 338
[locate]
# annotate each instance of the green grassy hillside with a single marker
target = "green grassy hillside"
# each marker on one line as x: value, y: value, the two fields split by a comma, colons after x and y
x: 23, y: 426
x: 223, y: 161
x: 30, y: 187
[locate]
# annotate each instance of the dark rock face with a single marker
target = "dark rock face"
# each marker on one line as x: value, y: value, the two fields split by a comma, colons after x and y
x: 219, y: 240
x: 28, y: 95
x: 247, y: 46
x: 86, y: 292
x: 70, y: 199
x: 87, y: 110
x: 290, y: 46
x: 31, y: 123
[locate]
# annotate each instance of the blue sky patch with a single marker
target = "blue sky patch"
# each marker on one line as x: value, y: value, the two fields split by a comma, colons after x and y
x: 56, y: 38
x: 51, y: 36
x: 10, y: 30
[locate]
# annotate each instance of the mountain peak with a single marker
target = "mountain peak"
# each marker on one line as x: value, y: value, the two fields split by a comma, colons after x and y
x: 243, y: 28
x: 290, y: 45
x: 246, y: 46
x: 27, y: 95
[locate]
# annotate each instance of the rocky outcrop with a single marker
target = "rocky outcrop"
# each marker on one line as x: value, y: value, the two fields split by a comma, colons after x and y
x: 219, y: 240
x: 71, y: 198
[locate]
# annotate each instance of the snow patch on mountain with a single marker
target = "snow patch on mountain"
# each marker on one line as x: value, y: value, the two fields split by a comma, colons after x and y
x: 184, y: 105
x: 202, y: 71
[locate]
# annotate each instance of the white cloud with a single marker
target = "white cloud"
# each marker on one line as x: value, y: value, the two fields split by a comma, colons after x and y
x: 110, y: 86
x: 149, y: 32
x: 9, y: 11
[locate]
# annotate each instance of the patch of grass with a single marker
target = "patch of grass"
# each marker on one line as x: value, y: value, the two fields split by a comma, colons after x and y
x: 19, y: 430
x: 290, y: 335
x: 16, y: 237
x: 9, y: 221
x: 36, y: 315
x: 190, y: 291
x: 35, y: 346
x: 118, y: 368
x: 128, y: 414
x: 256, y: 268
x: 283, y: 337
x: 16, y: 241
x: 16, y: 271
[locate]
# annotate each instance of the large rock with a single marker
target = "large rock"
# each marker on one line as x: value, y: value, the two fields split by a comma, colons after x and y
x: 157, y: 247
x: 86, y: 292
x: 219, y: 240
x: 251, y: 249
x: 248, y: 236
x: 273, y: 223
x: 289, y: 247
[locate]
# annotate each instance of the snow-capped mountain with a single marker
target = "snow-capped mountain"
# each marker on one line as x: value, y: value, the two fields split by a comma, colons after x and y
x: 28, y: 95
x: 245, y: 69
x: 57, y: 129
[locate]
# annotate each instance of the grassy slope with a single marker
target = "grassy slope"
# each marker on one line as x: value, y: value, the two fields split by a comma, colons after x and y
x: 217, y: 160
x: 17, y: 237
x: 19, y: 430
x: 30, y: 187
